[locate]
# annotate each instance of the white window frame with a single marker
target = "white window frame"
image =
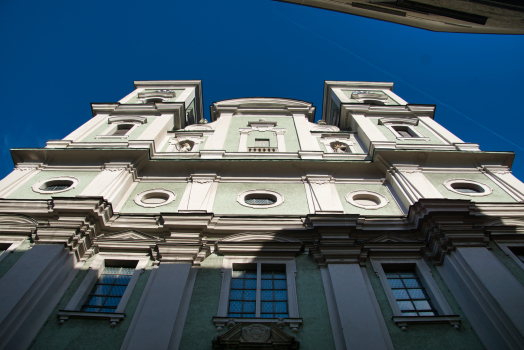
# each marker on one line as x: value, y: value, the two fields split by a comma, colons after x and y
x: 40, y: 186
x: 445, y: 313
x: 14, y: 243
x: 383, y: 201
x: 138, y: 198
x: 113, y: 125
x: 241, y: 198
x: 95, y: 269
x: 412, y: 131
x: 487, y: 190
x: 292, y: 303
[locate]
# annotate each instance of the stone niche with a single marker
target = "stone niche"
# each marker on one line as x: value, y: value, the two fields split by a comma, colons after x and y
x: 255, y: 336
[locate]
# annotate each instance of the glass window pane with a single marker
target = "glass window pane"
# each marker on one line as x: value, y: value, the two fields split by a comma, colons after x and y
x: 101, y: 289
x: 108, y: 310
x: 422, y: 305
x: 234, y: 315
x: 118, y: 290
x: 395, y: 283
x: 426, y: 313
x: 235, y: 306
x: 123, y: 279
x: 282, y: 315
x: 107, y: 279
x: 280, y: 275
x: 96, y: 301
x: 249, y: 306
x: 250, y: 294
x: 267, y: 306
x: 238, y: 274
x: 237, y: 284
x: 280, y: 284
x: 251, y: 284
x: 281, y: 307
x: 267, y: 284
x: 112, y: 301
x: 405, y: 305
x: 280, y: 295
x: 417, y: 294
x: 409, y: 314
x: 235, y: 294
x: 127, y: 271
x: 408, y: 274
x: 400, y: 294
x: 266, y: 295
x: 251, y: 274
x: 412, y: 283
x: 249, y: 315
x: 267, y: 316
x: 392, y: 274
x: 267, y: 275
x: 91, y: 309
x: 112, y: 270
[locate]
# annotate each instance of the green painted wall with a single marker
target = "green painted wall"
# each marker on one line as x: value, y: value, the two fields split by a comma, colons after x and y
x: 295, y: 201
x: 390, y: 209
x: 131, y: 207
x: 87, y: 334
x: 233, y: 133
x: 199, y: 329
x: 498, y: 194
x: 12, y: 258
x: 26, y: 192
x: 427, y: 336
x: 510, y: 264
x: 131, y: 136
x: 315, y: 332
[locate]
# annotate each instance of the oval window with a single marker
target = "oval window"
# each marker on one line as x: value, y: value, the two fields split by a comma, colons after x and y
x: 260, y: 199
x: 467, y: 188
x: 366, y: 199
x: 55, y: 185
x: 154, y: 197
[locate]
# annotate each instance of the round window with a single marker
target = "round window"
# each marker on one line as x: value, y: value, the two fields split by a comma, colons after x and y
x: 260, y: 199
x: 154, y: 198
x: 366, y: 199
x: 55, y: 184
x: 468, y: 187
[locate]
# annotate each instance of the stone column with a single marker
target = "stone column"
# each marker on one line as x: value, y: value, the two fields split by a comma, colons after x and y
x: 111, y: 183
x: 491, y: 297
x: 30, y: 290
x: 411, y: 184
x: 217, y: 140
x: 281, y: 141
x: 306, y: 140
x: 159, y: 317
x: 323, y: 195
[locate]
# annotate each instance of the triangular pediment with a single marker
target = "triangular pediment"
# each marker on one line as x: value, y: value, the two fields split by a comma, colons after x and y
x: 390, y: 238
x: 130, y: 235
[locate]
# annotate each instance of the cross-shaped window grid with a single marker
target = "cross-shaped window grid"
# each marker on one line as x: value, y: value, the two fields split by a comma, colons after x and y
x: 56, y: 187
x: 243, y: 293
x: 411, y: 296
x: 273, y: 294
x: 108, y: 290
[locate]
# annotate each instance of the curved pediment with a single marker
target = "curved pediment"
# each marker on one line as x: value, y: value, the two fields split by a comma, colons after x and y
x: 16, y: 219
x: 504, y: 222
x: 259, y: 237
x: 251, y: 102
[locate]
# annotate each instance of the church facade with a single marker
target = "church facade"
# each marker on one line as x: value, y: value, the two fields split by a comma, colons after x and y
x: 373, y: 228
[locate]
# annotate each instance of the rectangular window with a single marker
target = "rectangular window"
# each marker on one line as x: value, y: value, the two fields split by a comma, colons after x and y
x: 108, y: 289
x: 122, y: 129
x: 410, y: 293
x: 258, y: 290
x: 411, y: 289
x: 403, y: 131
x: 261, y: 142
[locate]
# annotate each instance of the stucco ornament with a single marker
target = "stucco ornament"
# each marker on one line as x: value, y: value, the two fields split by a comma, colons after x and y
x: 185, y: 147
x: 339, y: 147
x: 256, y: 333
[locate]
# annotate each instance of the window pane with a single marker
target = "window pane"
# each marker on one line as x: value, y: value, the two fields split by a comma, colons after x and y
x: 266, y: 295
x: 250, y: 294
x: 280, y: 284
x: 235, y: 306
x: 280, y: 307
x: 280, y: 295
x: 249, y: 306
x: 251, y: 284
x: 405, y: 305
x: 243, y: 287
x: 410, y: 293
x: 267, y: 284
x: 108, y: 289
x: 267, y: 307
x: 237, y: 284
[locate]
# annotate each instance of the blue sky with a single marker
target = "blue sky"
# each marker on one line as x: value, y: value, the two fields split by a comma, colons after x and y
x: 59, y: 56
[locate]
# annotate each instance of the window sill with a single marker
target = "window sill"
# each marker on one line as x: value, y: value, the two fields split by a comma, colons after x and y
x: 114, y: 318
x: 221, y: 322
x: 403, y: 321
x: 114, y: 137
x: 413, y: 138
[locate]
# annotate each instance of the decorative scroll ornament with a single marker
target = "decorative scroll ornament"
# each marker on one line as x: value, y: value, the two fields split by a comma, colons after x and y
x: 256, y: 333
x: 339, y: 147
